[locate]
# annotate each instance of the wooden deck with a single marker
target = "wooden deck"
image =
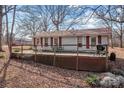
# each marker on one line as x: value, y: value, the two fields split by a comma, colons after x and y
x: 87, y: 62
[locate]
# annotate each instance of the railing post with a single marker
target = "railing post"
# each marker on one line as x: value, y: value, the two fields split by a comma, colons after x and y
x: 54, y: 59
x: 21, y: 54
x: 21, y: 49
x: 106, y: 57
x: 35, y: 53
x: 77, y: 57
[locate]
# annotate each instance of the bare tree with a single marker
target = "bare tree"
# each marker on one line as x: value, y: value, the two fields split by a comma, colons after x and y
x: 1, y: 8
x: 2, y: 13
x: 10, y: 33
x: 54, y: 17
x: 78, y: 14
x: 30, y: 25
x: 58, y: 13
x: 44, y: 16
x: 31, y: 22
x: 113, y: 16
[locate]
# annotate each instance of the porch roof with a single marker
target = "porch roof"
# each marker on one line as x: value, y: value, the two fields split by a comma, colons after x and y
x: 82, y: 32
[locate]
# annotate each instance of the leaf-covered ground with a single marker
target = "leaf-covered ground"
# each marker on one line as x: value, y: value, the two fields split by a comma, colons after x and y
x: 28, y: 74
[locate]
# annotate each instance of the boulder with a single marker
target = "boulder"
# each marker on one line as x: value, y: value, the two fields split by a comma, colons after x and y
x: 121, y: 80
x: 109, y: 82
x: 108, y: 74
x: 117, y: 72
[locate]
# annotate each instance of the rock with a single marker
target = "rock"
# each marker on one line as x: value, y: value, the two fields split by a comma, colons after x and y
x: 109, y: 82
x: 121, y: 80
x: 117, y: 72
x: 109, y: 74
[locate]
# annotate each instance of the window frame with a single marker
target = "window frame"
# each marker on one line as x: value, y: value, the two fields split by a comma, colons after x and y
x: 56, y: 41
x: 93, y: 41
x: 38, y: 41
x: 79, y: 41
x: 46, y: 41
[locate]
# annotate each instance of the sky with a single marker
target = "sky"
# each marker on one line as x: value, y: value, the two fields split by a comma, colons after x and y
x: 84, y: 23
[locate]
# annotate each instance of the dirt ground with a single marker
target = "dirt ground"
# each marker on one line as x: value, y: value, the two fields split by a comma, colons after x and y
x: 17, y: 73
x: 118, y: 51
x: 119, y: 57
x: 27, y: 74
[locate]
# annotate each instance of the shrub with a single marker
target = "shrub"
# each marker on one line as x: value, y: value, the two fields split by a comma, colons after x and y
x: 93, y: 80
x: 16, y: 50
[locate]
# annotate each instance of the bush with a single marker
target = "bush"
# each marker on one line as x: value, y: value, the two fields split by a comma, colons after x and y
x: 16, y: 50
x: 93, y: 80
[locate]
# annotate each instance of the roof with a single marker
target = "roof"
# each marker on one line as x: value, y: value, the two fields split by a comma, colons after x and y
x: 81, y: 32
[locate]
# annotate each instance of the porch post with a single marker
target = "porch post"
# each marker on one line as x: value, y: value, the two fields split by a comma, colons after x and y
x: 106, y: 57
x: 54, y: 58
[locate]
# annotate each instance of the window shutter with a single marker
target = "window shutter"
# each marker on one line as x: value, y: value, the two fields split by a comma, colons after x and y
x: 51, y: 41
x: 87, y: 41
x: 60, y: 41
x: 99, y: 39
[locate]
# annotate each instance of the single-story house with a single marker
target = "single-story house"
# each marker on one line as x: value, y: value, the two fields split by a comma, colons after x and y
x: 85, y: 39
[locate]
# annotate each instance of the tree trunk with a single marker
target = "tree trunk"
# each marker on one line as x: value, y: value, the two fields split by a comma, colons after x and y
x: 112, y: 42
x: 0, y: 27
x: 121, y: 42
x: 121, y: 35
x: 57, y: 27
x: 11, y: 34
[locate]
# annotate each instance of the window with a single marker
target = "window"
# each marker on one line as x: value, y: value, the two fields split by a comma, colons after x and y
x: 79, y: 40
x: 55, y: 41
x: 51, y: 41
x: 46, y: 41
x: 37, y: 41
x: 93, y: 41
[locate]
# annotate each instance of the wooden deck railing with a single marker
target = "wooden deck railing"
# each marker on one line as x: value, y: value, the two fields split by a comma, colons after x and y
x: 75, y: 62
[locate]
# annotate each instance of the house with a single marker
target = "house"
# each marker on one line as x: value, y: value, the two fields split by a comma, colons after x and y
x: 85, y: 39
